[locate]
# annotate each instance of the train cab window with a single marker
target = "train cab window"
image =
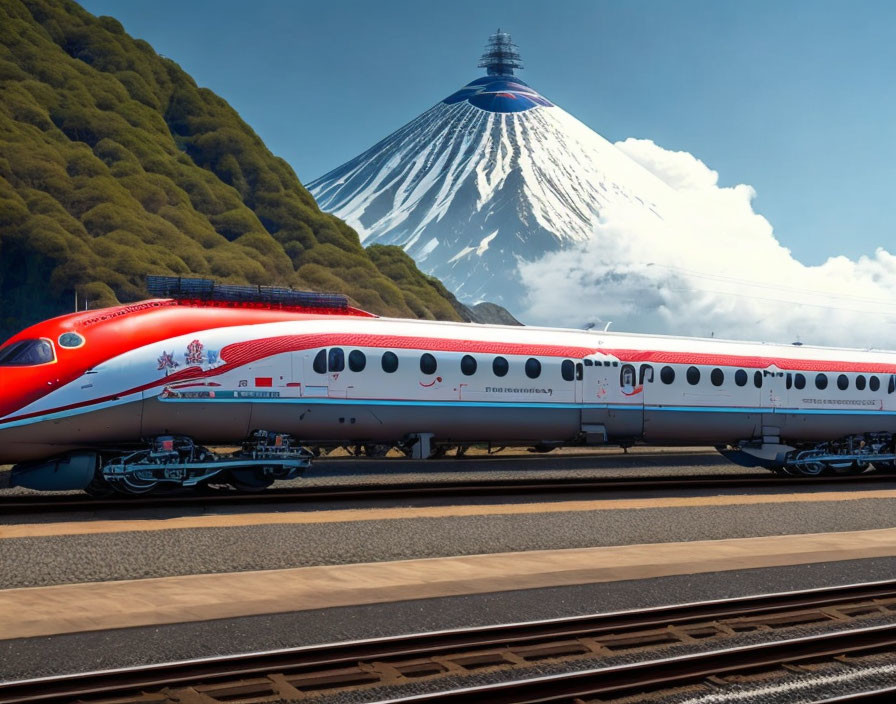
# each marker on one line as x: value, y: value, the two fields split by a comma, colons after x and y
x: 646, y: 374
x: 533, y: 368
x: 428, y: 363
x: 843, y: 382
x: 468, y: 365
x: 389, y: 362
x: 336, y: 360
x: 740, y: 377
x: 821, y: 381
x: 580, y: 371
x: 71, y: 340
x: 757, y: 379
x: 320, y: 362
x: 693, y: 376
x: 799, y: 381
x: 667, y: 375
x: 860, y: 382
x: 500, y: 366
x: 27, y: 353
x: 788, y: 380
x: 627, y: 376
x: 568, y: 370
x: 717, y: 377
x: 873, y: 383
x: 891, y: 385
x: 357, y: 360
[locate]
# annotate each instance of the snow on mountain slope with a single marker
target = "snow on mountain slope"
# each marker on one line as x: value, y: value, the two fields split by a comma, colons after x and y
x: 492, y: 176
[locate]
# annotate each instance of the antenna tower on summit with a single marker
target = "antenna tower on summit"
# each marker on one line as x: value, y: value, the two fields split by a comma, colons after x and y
x: 501, y: 57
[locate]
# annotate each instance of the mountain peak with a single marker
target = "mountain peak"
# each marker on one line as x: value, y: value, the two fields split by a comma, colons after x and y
x: 492, y: 176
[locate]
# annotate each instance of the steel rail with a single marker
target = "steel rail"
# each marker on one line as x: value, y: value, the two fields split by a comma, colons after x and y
x: 886, y: 694
x: 314, y: 658
x: 664, y: 673
x: 33, y: 503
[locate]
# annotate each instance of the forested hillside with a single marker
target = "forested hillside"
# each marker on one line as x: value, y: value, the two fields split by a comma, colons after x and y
x: 114, y: 164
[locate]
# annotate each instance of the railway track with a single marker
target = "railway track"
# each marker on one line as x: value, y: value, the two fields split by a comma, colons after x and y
x: 308, y: 671
x: 51, y: 503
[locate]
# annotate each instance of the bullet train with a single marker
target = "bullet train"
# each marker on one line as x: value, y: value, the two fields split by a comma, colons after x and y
x: 129, y: 398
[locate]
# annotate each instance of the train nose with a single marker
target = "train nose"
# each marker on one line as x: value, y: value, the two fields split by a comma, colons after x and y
x: 27, y: 373
x: 19, y: 387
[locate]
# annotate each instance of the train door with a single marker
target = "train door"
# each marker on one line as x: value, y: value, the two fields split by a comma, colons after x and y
x: 580, y: 381
x: 314, y: 365
x: 337, y: 378
x: 776, y: 385
x: 620, y: 388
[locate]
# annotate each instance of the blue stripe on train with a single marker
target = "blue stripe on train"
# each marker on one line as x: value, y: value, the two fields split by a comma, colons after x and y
x: 542, y: 405
x: 305, y: 400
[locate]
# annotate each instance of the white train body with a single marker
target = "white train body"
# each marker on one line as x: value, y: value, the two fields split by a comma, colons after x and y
x: 353, y: 379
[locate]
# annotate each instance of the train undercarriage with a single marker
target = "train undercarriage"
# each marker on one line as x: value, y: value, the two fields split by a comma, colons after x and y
x: 172, y: 462
x: 168, y: 463
x: 852, y: 454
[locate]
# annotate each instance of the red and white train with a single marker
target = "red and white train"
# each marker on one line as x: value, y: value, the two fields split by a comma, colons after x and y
x: 129, y: 396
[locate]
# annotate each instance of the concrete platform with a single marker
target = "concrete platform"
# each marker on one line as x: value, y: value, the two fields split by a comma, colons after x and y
x: 73, y: 608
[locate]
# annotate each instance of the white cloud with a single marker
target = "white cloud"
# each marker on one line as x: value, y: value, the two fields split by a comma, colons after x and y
x: 709, y: 265
x: 678, y: 169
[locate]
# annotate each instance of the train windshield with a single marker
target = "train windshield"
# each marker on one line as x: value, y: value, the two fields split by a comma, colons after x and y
x: 27, y: 353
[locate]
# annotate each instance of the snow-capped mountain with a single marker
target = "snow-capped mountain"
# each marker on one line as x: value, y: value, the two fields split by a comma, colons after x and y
x: 492, y: 175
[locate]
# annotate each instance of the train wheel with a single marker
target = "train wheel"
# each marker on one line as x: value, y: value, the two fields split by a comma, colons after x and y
x: 248, y: 480
x: 853, y: 467
x: 811, y: 469
x: 99, y: 488
x: 133, y: 485
x: 375, y: 450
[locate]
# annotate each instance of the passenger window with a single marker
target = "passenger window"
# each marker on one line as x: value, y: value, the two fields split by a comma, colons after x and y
x: 873, y: 383
x: 428, y: 363
x: 357, y: 360
x: 717, y: 377
x: 588, y: 363
x: 533, y: 368
x: 336, y: 360
x: 860, y: 382
x: 646, y: 374
x: 468, y: 365
x: 627, y: 376
x: 568, y: 370
x: 500, y: 366
x: 607, y: 363
x: 693, y: 376
x: 789, y: 380
x: 667, y: 375
x: 320, y: 362
x: 390, y: 362
x: 821, y: 381
x: 799, y: 381
x: 740, y: 377
x: 757, y: 379
x: 843, y: 382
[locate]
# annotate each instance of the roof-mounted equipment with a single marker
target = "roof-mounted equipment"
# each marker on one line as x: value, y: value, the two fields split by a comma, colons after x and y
x: 180, y: 288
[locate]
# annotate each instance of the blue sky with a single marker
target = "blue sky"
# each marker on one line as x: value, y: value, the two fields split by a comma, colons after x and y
x: 792, y: 97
